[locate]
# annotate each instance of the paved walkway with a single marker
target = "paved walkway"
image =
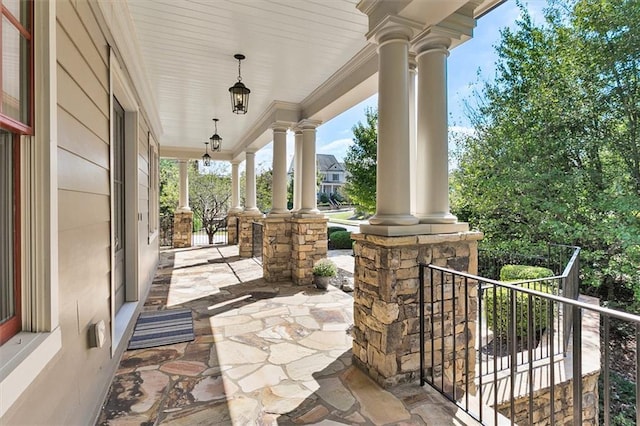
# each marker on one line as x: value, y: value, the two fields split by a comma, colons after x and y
x: 264, y: 354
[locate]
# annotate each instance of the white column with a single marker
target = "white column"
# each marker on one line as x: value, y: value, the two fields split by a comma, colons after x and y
x: 235, y: 188
x: 393, y: 204
x: 413, y: 129
x: 309, y: 203
x: 297, y: 171
x: 250, y: 202
x: 432, y: 201
x: 279, y: 183
x: 183, y: 202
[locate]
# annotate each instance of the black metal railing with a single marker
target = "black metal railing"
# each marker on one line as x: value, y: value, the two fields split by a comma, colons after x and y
x: 217, y: 234
x: 457, y: 312
x: 256, y: 228
x: 166, y: 230
x: 555, y: 258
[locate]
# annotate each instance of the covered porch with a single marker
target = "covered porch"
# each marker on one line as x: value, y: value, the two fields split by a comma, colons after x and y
x: 263, y: 354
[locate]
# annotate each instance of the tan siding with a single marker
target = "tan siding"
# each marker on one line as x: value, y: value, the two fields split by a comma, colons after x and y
x: 95, y: 53
x: 71, y: 389
x: 77, y: 174
x: 78, y: 104
x: 82, y: 73
x: 75, y: 137
x: 84, y: 262
x: 79, y: 209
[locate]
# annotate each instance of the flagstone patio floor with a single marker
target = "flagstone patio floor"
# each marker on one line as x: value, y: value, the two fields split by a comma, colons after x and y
x: 264, y: 354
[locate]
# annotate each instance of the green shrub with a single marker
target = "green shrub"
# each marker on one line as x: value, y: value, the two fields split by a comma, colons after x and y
x: 323, y: 197
x: 341, y: 240
x: 332, y: 229
x: 197, y: 223
x: 540, y: 307
x: 325, y: 268
x: 523, y: 272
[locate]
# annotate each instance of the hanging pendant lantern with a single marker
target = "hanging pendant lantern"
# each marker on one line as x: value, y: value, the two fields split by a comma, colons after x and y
x: 216, y: 140
x: 239, y: 92
x: 206, y: 158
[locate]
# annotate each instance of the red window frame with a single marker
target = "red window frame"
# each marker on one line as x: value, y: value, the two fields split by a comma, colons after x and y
x: 17, y: 128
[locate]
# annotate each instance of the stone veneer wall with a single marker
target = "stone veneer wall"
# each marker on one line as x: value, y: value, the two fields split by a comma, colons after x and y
x: 232, y: 228
x: 182, y: 229
x: 276, y: 249
x: 245, y: 232
x: 386, y: 303
x: 309, y: 244
x: 563, y: 404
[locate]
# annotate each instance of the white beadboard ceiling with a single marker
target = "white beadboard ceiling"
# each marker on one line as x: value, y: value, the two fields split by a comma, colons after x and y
x: 292, y: 47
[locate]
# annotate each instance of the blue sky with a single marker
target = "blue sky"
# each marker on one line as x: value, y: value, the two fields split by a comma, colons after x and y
x: 468, y: 65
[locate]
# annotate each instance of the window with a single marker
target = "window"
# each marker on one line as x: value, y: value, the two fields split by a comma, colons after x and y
x: 335, y: 177
x: 10, y: 320
x: 16, y: 117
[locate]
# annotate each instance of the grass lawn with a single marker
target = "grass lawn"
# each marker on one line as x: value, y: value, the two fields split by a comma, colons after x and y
x: 346, y: 215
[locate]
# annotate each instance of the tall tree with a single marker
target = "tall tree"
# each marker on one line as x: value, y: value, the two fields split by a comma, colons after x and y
x: 169, y: 177
x: 209, y: 197
x: 361, y: 164
x: 264, y: 190
x: 554, y: 153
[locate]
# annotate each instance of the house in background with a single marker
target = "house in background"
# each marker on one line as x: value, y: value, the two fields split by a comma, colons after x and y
x: 332, y: 171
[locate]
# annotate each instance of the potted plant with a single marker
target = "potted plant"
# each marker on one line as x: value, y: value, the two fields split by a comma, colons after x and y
x: 323, y: 271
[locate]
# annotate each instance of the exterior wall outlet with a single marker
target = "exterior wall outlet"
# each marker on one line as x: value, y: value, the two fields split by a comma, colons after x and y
x: 97, y: 334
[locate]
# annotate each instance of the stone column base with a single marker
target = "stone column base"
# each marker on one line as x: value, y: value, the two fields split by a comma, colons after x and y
x: 276, y: 249
x: 245, y: 232
x: 309, y: 244
x: 386, y: 341
x: 182, y: 229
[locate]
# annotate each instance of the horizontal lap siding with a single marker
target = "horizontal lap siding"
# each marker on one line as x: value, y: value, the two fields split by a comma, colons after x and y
x: 83, y: 208
x: 69, y: 390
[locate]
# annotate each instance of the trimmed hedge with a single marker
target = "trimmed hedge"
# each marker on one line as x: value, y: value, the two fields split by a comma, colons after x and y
x: 341, y: 240
x: 332, y: 229
x: 540, y: 307
x: 523, y: 272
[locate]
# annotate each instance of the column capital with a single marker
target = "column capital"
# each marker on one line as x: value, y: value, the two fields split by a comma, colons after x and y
x: 393, y: 28
x: 456, y: 28
x: 308, y: 124
x: 432, y: 39
x: 280, y: 126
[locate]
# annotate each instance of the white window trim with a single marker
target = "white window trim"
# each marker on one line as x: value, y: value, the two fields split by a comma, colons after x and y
x: 154, y: 190
x: 27, y: 354
x: 122, y: 320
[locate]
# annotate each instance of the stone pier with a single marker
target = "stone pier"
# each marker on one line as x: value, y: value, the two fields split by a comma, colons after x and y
x: 386, y: 304
x: 245, y: 232
x: 182, y: 229
x: 232, y: 228
x: 309, y: 244
x: 276, y: 249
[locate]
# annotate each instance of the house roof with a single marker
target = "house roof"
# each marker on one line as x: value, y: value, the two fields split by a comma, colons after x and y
x: 326, y: 163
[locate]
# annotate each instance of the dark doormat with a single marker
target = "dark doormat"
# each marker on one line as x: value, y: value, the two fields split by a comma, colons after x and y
x: 158, y: 328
